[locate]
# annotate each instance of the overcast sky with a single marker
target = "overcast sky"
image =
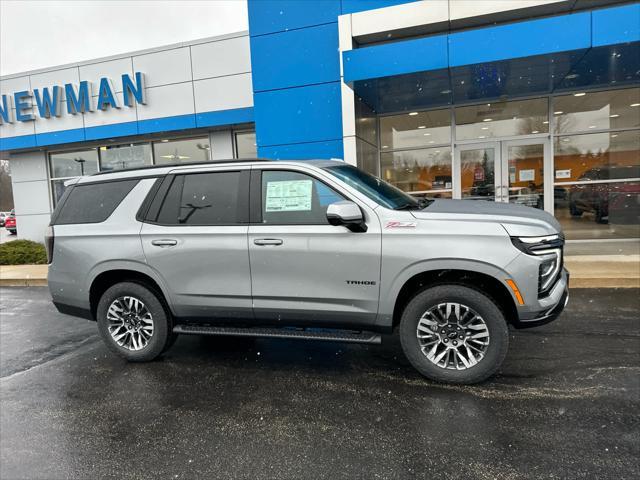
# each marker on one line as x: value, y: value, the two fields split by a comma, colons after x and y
x: 36, y: 34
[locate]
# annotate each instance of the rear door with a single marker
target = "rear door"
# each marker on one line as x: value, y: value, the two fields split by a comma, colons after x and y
x: 195, y: 237
x: 303, y: 269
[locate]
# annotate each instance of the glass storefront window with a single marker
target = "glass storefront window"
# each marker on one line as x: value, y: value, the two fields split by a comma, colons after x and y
x: 502, y: 119
x: 415, y: 129
x: 589, y: 211
x: 57, y: 189
x: 366, y: 122
x: 597, y: 156
x: 73, y: 164
x: 367, y: 157
x: 584, y: 111
x: 182, y: 151
x: 418, y: 171
x: 125, y: 156
x: 246, y: 145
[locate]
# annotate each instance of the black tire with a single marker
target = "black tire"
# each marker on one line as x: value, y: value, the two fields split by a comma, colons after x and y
x: 573, y: 210
x: 161, y: 336
x: 483, y: 305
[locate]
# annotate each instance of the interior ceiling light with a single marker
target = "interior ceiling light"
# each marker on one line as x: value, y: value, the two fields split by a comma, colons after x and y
x: 422, y: 126
x: 413, y: 114
x: 635, y: 105
x: 559, y: 112
x: 488, y: 120
x: 581, y: 94
x: 535, y: 131
x: 427, y: 134
x: 485, y: 128
x: 615, y: 115
x: 592, y: 126
x: 546, y: 122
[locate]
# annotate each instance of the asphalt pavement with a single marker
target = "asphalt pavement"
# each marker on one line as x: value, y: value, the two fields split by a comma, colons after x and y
x: 565, y: 404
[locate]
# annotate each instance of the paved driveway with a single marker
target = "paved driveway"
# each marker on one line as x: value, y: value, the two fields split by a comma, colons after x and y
x: 564, y: 406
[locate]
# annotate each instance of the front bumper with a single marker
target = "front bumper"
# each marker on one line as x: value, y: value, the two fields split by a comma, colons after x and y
x: 551, y: 313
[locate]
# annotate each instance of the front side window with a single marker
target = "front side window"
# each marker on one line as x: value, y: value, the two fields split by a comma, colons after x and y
x: 373, y: 187
x: 202, y: 199
x: 292, y: 198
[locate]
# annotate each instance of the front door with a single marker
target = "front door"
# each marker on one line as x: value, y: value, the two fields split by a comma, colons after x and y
x: 511, y: 171
x: 304, y: 270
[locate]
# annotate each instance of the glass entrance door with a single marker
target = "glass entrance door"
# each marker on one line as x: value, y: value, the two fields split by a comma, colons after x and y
x: 478, y: 172
x: 511, y: 171
x: 523, y: 173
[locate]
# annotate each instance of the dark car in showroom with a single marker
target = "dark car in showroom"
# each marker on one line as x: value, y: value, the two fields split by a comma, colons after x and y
x: 611, y: 201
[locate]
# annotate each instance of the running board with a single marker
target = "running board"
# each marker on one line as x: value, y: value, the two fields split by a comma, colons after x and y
x: 302, y: 334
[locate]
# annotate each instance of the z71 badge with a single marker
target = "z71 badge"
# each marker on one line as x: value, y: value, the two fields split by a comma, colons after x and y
x: 395, y: 224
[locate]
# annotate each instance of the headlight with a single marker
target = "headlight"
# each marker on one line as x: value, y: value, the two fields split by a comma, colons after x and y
x: 549, y: 248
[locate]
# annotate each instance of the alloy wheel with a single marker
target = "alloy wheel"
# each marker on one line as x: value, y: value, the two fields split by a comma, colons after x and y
x: 130, y: 323
x: 453, y: 336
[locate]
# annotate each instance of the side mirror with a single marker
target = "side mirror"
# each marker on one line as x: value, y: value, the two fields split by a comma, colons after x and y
x: 347, y: 214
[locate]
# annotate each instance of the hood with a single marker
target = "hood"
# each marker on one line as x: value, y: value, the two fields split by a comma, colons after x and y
x: 518, y: 220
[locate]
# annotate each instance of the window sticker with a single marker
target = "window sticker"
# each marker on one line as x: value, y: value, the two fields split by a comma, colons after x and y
x: 289, y: 196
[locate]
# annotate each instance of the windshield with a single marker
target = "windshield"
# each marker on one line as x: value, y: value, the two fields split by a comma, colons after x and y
x: 373, y: 187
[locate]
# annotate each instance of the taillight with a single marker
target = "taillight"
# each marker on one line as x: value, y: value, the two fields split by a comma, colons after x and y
x: 48, y: 242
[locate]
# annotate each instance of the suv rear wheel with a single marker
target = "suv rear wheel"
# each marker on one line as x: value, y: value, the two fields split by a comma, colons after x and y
x: 454, y: 334
x: 133, y: 323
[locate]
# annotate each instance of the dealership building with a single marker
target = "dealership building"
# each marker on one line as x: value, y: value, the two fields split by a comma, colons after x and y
x: 534, y: 102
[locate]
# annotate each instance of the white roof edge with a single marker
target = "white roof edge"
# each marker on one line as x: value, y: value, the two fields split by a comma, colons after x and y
x: 117, y: 56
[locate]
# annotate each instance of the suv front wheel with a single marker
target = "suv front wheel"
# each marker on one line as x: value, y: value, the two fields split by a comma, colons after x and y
x: 133, y: 322
x: 454, y: 334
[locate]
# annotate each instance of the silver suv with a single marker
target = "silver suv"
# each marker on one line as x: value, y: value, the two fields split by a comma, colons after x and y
x: 311, y: 250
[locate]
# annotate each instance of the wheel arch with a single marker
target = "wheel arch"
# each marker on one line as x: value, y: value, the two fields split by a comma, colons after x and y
x: 107, y: 277
x: 484, y: 282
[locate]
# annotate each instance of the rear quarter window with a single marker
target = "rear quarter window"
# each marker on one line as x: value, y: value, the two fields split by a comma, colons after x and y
x: 92, y: 203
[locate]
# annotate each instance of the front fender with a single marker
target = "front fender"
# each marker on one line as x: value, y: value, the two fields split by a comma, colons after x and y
x: 390, y: 290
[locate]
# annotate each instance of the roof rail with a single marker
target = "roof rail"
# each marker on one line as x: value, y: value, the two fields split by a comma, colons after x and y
x: 182, y: 164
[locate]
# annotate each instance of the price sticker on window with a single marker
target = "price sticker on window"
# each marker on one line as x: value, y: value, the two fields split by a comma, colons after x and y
x: 289, y: 196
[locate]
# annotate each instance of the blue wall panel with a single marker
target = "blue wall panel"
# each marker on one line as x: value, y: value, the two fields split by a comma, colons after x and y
x: 115, y: 130
x: 20, y: 141
x: 399, y: 58
x: 59, y: 137
x: 522, y: 39
x: 303, y: 151
x: 269, y: 16
x: 178, y: 122
x: 299, y: 57
x: 353, y: 6
x: 616, y: 25
x: 298, y: 115
x: 225, y: 117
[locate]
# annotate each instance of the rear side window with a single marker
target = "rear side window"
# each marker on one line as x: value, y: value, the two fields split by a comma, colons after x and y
x: 202, y: 199
x: 93, y: 203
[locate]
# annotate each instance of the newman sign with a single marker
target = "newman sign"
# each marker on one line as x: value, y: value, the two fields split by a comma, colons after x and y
x: 78, y: 99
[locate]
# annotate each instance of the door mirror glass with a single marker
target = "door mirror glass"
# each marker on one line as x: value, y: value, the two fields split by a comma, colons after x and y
x: 347, y: 214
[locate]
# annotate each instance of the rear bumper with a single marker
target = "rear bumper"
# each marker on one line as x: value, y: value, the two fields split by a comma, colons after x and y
x: 549, y: 314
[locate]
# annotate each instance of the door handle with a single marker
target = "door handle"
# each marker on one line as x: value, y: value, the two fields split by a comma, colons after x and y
x: 267, y: 241
x: 165, y: 242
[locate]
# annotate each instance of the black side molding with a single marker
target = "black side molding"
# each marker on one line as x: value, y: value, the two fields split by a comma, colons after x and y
x: 74, y: 311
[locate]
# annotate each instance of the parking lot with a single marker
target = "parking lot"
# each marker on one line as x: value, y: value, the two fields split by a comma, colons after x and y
x: 565, y: 404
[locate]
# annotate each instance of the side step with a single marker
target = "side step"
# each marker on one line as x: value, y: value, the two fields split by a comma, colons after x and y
x: 299, y: 333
